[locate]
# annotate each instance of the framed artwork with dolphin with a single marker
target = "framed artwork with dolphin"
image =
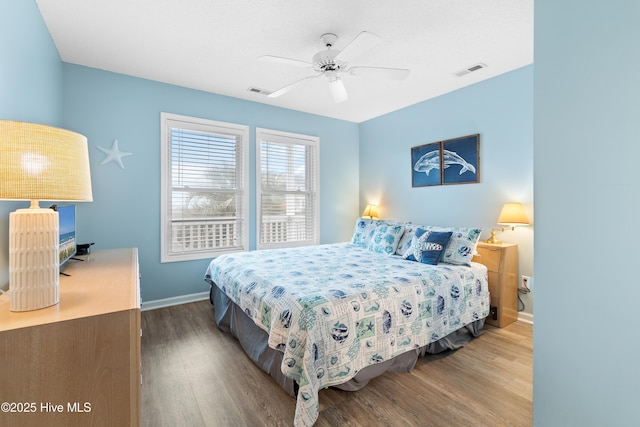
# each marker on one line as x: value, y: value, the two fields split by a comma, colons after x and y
x: 453, y: 161
x: 425, y: 165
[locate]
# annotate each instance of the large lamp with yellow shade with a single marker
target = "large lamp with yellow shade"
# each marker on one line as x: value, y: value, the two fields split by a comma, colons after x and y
x: 39, y: 163
x: 511, y: 215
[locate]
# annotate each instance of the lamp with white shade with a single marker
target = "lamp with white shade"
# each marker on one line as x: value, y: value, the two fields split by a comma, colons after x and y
x: 39, y: 163
x: 511, y: 215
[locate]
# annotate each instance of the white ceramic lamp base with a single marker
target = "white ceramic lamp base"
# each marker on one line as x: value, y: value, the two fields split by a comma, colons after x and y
x: 34, y: 259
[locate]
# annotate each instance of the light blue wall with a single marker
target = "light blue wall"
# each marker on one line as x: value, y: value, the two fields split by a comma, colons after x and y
x: 126, y: 208
x: 30, y: 87
x: 587, y: 104
x: 30, y: 66
x: 587, y: 203
x: 501, y: 111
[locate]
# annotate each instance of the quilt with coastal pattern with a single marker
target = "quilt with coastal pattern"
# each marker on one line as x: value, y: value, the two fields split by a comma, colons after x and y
x: 335, y: 309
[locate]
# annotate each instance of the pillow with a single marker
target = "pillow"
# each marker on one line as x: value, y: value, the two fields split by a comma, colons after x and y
x: 427, y: 246
x: 363, y: 231
x: 385, y: 238
x: 462, y: 244
x: 405, y: 240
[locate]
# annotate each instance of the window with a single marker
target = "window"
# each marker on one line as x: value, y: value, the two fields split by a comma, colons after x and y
x: 204, y: 196
x: 287, y: 189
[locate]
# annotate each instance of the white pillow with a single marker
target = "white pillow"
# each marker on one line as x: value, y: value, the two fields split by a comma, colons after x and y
x: 363, y: 231
x: 385, y: 238
x: 405, y: 240
x: 462, y: 244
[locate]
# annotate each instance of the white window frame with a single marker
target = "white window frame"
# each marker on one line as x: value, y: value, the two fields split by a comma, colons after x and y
x: 312, y: 167
x: 169, y: 121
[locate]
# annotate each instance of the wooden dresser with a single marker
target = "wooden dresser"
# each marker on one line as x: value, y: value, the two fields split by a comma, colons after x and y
x: 502, y: 262
x: 76, y: 363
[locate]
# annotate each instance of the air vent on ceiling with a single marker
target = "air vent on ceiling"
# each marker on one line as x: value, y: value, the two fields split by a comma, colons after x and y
x: 471, y: 69
x: 258, y: 90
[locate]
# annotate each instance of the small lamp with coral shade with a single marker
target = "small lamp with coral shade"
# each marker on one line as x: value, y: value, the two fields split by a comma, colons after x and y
x: 512, y: 215
x: 39, y: 163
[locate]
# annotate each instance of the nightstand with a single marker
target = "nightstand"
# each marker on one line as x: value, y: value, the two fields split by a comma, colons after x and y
x: 502, y: 262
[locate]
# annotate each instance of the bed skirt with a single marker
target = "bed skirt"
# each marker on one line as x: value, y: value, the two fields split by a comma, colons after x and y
x: 230, y: 318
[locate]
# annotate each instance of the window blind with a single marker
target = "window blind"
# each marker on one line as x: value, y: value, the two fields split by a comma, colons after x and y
x: 287, y: 189
x: 205, y: 205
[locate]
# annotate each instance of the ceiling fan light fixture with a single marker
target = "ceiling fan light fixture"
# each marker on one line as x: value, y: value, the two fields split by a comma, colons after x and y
x: 329, y: 62
x: 337, y: 87
x: 332, y: 76
x: 325, y: 61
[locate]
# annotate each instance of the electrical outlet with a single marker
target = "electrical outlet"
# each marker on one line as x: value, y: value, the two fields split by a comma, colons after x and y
x: 526, y: 282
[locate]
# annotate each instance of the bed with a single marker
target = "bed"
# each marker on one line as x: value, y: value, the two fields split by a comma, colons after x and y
x: 340, y: 314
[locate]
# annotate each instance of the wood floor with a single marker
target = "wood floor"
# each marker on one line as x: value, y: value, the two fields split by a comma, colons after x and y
x: 195, y: 375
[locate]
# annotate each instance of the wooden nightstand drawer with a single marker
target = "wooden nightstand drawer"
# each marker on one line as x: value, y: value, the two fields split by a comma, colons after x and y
x: 490, y: 257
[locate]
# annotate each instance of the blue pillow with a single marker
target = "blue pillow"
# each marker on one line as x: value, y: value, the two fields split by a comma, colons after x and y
x: 426, y: 246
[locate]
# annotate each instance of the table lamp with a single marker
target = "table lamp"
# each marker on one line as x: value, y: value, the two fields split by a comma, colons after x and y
x: 512, y: 214
x: 370, y: 212
x: 39, y: 162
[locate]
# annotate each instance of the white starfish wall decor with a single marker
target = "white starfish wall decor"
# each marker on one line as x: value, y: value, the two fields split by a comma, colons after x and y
x: 114, y: 154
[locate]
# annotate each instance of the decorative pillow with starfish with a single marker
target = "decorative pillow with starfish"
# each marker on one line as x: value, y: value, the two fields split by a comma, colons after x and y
x: 426, y: 246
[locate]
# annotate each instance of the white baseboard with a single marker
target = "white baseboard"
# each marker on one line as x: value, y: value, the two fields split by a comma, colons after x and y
x: 525, y: 317
x: 168, y: 302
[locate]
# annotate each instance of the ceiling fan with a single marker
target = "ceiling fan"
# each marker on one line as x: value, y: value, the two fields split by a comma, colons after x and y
x: 330, y: 63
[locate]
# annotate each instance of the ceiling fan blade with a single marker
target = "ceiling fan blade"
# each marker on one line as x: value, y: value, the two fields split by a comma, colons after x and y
x: 291, y: 86
x: 285, y: 61
x: 338, y: 90
x: 362, y: 43
x: 388, y: 73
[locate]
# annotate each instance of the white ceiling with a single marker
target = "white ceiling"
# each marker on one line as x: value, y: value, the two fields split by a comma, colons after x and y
x: 213, y: 45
